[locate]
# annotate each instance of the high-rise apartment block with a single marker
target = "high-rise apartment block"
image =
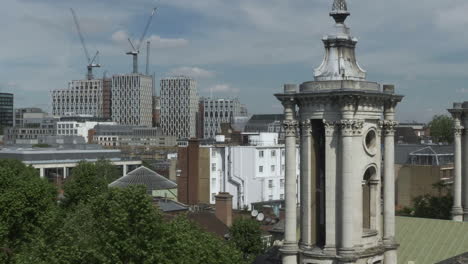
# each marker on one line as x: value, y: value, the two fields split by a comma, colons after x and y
x: 179, y: 106
x: 217, y: 111
x: 6, y: 110
x: 83, y: 97
x: 132, y: 99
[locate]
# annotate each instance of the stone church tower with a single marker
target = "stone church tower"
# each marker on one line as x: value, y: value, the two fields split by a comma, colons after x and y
x: 342, y: 121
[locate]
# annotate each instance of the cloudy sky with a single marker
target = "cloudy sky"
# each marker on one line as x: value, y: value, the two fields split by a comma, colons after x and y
x: 244, y: 48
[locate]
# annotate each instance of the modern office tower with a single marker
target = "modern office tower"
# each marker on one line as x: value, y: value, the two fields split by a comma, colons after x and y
x: 83, y: 97
x: 179, y: 106
x: 217, y: 111
x: 6, y: 110
x: 132, y: 99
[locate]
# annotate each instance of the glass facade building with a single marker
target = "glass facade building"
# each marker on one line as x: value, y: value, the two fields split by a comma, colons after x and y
x: 6, y: 110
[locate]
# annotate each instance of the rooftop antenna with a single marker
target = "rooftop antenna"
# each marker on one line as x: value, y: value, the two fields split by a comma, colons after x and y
x: 91, y: 61
x: 135, y: 50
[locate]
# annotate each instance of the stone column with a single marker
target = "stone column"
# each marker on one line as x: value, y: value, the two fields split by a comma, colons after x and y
x: 65, y: 173
x: 289, y: 249
x: 457, y: 211
x: 330, y: 186
x: 346, y: 249
x: 465, y: 168
x: 308, y: 222
x: 42, y: 172
x: 124, y: 169
x: 388, y: 129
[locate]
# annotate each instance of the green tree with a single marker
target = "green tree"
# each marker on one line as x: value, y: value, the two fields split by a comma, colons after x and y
x: 123, y: 226
x: 107, y: 170
x: 246, y: 236
x: 26, y: 203
x: 441, y: 128
x: 84, y: 183
x: 198, y: 246
x: 118, y: 226
x: 428, y: 206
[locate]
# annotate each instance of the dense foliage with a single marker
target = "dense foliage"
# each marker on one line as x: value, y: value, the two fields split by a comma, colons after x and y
x: 246, y: 236
x: 429, y: 206
x: 88, y: 180
x: 96, y: 225
x: 441, y: 129
x: 26, y: 206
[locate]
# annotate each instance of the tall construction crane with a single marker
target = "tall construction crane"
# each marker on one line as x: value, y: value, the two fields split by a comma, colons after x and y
x: 91, y: 61
x: 135, y: 50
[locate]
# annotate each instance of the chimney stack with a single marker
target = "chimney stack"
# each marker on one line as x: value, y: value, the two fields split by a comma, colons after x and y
x: 223, y: 209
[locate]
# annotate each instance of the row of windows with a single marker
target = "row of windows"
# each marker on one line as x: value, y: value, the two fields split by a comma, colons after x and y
x: 272, y: 168
x: 261, y: 153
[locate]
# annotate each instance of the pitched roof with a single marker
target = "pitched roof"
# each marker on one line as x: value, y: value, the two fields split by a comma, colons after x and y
x: 167, y: 205
x: 430, y: 240
x: 144, y: 176
x: 209, y: 222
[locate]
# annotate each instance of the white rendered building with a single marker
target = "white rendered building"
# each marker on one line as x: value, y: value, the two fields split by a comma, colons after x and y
x: 83, y: 97
x: 179, y: 107
x: 343, y: 120
x: 132, y: 99
x: 75, y: 128
x: 253, y: 173
x: 217, y: 111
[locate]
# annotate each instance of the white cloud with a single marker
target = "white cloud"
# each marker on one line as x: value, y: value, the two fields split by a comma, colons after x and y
x: 194, y: 72
x: 120, y: 36
x: 158, y: 42
x: 222, y: 88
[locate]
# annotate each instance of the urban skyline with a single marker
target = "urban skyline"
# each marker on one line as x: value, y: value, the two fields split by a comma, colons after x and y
x: 258, y: 47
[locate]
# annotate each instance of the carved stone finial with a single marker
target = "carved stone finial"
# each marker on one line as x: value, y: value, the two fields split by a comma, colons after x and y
x: 339, y: 5
x: 339, y: 11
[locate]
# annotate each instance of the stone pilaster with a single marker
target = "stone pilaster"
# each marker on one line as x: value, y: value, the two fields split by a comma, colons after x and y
x: 457, y: 210
x: 388, y: 130
x: 289, y: 249
x: 349, y: 128
x: 465, y: 168
x: 308, y: 222
x: 331, y: 129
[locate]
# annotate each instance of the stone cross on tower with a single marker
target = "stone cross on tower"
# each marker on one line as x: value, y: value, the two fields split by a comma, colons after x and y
x: 341, y: 120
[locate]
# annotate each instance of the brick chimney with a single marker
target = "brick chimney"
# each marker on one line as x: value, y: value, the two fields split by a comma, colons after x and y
x: 223, y: 208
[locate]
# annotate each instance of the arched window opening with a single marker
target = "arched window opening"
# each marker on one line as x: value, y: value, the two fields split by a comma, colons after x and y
x: 368, y: 198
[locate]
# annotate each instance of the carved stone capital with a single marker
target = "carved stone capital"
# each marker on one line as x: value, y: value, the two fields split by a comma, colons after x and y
x: 458, y: 130
x: 388, y: 127
x: 351, y: 127
x: 290, y: 127
x: 330, y: 127
x: 306, y: 128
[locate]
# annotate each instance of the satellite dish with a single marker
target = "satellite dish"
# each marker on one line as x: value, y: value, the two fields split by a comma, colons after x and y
x: 268, y: 220
x: 274, y: 221
x: 254, y: 213
x: 260, y: 217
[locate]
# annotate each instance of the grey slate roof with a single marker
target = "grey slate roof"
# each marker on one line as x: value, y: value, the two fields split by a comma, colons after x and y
x: 144, y: 176
x: 167, y: 205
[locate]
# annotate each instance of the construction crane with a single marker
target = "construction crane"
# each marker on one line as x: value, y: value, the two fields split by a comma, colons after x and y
x: 91, y: 61
x: 136, y: 50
